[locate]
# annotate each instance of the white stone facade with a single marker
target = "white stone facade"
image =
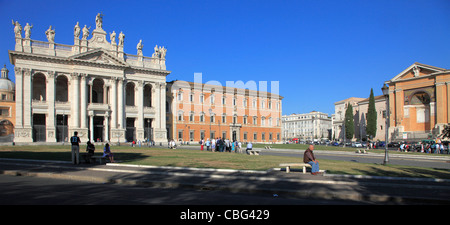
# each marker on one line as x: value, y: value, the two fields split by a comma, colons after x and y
x: 360, y: 108
x: 306, y: 126
x: 91, y: 87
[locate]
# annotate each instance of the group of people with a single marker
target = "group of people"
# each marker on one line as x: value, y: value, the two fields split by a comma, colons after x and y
x: 428, y: 148
x: 221, y: 145
x: 90, y: 149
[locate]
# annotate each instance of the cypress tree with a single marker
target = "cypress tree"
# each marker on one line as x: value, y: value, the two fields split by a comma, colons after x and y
x: 371, y: 128
x: 349, y: 123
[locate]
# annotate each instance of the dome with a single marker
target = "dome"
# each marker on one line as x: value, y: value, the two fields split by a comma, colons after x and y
x: 6, y: 85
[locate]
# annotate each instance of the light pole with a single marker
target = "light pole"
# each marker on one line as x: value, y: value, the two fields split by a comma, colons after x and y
x: 385, y: 91
x: 210, y: 120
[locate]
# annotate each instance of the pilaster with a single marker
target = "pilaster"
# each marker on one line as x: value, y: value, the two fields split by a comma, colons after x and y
x: 50, y: 120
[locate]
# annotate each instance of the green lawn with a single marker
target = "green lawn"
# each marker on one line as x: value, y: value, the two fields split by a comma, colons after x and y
x: 204, y: 159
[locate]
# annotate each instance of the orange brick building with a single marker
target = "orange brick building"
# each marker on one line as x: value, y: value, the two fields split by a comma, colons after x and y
x: 198, y: 111
x: 7, y: 107
x: 419, y: 102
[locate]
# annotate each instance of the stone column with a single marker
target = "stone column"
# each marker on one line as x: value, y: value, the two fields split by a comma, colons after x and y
x: 83, y: 101
x: 75, y: 107
x: 91, y: 126
x: 106, y: 126
x: 139, y: 94
x: 19, y: 96
x: 120, y: 107
x: 159, y: 131
x: 27, y: 95
x: 50, y: 121
x: 114, y: 103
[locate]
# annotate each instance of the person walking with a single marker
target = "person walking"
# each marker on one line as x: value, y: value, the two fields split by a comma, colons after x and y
x: 308, y: 157
x: 75, y: 141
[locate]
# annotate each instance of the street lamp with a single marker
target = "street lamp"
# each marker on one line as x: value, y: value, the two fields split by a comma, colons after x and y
x: 210, y: 120
x: 385, y: 91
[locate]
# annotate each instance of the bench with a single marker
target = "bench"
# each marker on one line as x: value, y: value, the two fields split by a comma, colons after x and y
x: 361, y: 151
x: 101, y: 158
x: 288, y: 166
x: 253, y: 152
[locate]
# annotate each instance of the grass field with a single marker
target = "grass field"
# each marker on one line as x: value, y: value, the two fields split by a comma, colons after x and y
x: 204, y: 159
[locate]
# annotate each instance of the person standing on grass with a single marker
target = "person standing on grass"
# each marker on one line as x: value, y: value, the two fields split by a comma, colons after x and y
x: 308, y: 157
x: 208, y: 144
x: 75, y: 141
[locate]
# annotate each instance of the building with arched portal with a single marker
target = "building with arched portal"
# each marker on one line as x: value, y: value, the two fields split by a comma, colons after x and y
x: 419, y: 102
x: 91, y: 87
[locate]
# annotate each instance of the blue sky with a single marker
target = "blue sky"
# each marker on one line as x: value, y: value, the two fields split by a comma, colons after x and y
x: 320, y: 51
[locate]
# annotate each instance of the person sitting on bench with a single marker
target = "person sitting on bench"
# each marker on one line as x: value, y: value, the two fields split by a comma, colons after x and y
x: 249, y: 147
x: 107, y: 153
x: 308, y: 157
x: 90, y: 149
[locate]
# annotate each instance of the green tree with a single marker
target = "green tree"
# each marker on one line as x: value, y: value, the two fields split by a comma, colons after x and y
x: 371, y: 128
x: 349, y: 123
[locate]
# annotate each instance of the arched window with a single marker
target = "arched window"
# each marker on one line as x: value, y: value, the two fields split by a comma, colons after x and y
x: 420, y: 98
x: 61, y: 94
x: 130, y: 94
x: 147, y: 95
x: 97, y: 91
x: 39, y: 87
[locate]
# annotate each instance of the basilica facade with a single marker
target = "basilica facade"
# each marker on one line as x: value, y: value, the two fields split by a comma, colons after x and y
x: 91, y: 87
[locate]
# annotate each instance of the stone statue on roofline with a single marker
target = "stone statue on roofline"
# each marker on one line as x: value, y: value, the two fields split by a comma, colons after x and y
x: 163, y: 52
x: 156, y: 53
x: 17, y: 29
x: 27, y: 30
x: 85, y: 32
x: 50, y: 34
x: 77, y: 30
x: 121, y: 38
x: 99, y: 21
x: 139, y: 47
x: 112, y: 37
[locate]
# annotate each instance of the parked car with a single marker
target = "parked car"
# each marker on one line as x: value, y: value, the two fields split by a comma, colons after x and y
x: 358, y: 145
x: 393, y: 145
x: 382, y: 144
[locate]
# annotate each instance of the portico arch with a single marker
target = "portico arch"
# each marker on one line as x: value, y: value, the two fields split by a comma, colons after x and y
x: 39, y: 87
x: 97, y: 90
x: 61, y: 88
x: 130, y: 101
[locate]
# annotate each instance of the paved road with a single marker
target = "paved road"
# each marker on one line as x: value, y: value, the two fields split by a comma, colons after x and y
x: 26, y: 190
x: 256, y: 187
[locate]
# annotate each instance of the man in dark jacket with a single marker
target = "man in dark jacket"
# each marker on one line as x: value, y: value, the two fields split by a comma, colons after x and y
x: 308, y: 157
x: 75, y: 140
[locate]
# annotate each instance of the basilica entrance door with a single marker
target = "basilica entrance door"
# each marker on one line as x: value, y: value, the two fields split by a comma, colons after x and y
x: 98, y: 128
x: 39, y: 131
x: 131, y: 130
